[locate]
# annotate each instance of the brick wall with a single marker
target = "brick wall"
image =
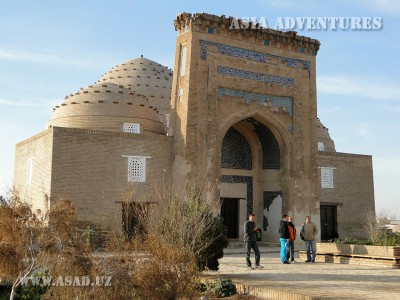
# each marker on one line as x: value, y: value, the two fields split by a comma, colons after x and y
x: 353, y: 191
x: 37, y: 147
x: 90, y: 168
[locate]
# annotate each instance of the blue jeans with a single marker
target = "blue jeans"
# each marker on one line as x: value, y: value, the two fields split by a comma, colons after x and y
x: 254, y: 246
x: 311, y: 250
x: 283, y: 249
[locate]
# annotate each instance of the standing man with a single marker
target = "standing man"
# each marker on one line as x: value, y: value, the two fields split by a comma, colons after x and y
x: 292, y: 233
x: 309, y: 231
x: 284, y: 238
x: 250, y: 240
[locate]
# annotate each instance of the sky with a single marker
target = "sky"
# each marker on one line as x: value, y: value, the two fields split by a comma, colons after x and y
x: 49, y: 49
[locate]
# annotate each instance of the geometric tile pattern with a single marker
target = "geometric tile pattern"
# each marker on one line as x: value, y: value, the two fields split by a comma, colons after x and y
x: 235, y: 151
x: 255, y: 76
x: 253, y: 55
x: 262, y: 99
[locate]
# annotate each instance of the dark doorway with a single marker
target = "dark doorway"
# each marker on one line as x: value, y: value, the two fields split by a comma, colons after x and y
x: 328, y: 222
x: 134, y: 218
x: 230, y: 216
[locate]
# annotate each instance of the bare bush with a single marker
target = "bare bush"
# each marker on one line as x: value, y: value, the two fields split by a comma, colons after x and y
x: 168, y: 273
x: 187, y: 220
x: 53, y: 245
x: 372, y: 226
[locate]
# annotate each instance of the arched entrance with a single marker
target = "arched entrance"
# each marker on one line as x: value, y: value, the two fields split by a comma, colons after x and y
x: 250, y: 177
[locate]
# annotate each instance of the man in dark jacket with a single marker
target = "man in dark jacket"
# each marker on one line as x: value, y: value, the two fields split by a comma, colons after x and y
x: 250, y: 240
x: 284, y: 238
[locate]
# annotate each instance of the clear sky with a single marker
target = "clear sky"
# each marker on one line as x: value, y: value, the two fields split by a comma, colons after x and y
x: 49, y: 49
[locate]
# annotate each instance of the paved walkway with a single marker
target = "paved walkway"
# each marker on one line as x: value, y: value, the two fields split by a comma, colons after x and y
x: 308, y: 280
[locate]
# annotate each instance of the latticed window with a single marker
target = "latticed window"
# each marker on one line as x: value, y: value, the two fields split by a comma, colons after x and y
x: 29, y: 170
x: 327, y: 178
x: 321, y: 146
x: 131, y: 127
x: 137, y: 168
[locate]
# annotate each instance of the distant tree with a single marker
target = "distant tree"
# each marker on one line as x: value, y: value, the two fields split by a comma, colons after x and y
x: 3, y: 200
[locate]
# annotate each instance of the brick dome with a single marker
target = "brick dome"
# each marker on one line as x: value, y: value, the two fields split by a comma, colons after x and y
x: 145, y: 77
x: 107, y: 106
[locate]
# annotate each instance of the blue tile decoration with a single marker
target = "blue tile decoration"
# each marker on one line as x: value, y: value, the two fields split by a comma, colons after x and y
x: 210, y: 30
x: 262, y: 99
x: 235, y: 151
x: 255, y: 76
x: 266, y: 42
x: 243, y: 53
x: 306, y: 65
x: 271, y: 154
x: 242, y: 179
x: 252, y: 55
x: 203, y: 49
x: 293, y: 63
x: 247, y: 97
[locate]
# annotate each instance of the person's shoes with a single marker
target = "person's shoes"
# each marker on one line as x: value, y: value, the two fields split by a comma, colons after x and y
x: 250, y: 268
x: 308, y: 260
x: 313, y: 261
x: 286, y: 262
x: 259, y: 267
x: 292, y: 261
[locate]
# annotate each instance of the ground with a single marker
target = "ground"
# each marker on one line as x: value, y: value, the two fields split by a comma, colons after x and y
x: 237, y: 297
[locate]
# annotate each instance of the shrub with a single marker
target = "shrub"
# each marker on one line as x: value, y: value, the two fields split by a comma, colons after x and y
x: 190, y: 224
x: 219, y: 287
x: 389, y: 239
x: 168, y: 273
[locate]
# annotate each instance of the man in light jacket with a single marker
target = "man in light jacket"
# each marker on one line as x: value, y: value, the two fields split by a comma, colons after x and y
x: 309, y: 231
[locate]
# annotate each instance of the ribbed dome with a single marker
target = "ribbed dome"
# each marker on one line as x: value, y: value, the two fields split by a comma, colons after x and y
x: 145, y: 77
x: 107, y: 106
x: 324, y: 137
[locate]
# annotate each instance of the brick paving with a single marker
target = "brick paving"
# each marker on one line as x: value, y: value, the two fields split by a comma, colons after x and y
x: 308, y: 280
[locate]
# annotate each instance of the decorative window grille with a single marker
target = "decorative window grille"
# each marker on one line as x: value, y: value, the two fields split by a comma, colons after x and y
x: 131, y: 127
x: 321, y: 146
x: 136, y: 168
x: 183, y: 61
x: 327, y: 178
x: 167, y: 119
x: 29, y: 170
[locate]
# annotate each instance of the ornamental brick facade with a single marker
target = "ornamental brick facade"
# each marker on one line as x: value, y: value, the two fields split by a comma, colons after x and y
x: 239, y: 112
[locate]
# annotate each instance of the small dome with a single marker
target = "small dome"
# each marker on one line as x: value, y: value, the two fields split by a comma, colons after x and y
x: 325, y: 138
x: 145, y: 77
x: 107, y: 106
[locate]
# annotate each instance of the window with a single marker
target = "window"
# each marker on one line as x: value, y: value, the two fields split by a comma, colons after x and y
x: 136, y: 168
x: 321, y: 146
x: 131, y: 127
x: 29, y: 170
x: 183, y: 61
x: 327, y: 178
x: 167, y: 119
